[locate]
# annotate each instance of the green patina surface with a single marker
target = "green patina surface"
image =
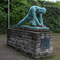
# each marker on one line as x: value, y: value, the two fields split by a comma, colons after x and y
x: 32, y: 19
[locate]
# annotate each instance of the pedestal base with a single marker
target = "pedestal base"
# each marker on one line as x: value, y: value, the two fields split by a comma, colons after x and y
x: 37, y: 44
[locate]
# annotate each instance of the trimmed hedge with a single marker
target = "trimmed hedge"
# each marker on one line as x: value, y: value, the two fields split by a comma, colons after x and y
x: 19, y: 9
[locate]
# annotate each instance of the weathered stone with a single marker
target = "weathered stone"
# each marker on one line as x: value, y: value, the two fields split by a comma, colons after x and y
x: 31, y: 41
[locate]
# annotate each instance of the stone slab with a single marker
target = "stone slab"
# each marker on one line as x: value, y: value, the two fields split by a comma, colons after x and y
x: 30, y: 41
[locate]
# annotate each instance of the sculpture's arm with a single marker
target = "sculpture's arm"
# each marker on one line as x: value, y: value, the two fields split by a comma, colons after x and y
x: 35, y: 18
x: 41, y: 19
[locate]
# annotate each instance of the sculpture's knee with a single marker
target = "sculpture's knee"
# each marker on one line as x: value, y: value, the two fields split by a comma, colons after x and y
x: 33, y: 23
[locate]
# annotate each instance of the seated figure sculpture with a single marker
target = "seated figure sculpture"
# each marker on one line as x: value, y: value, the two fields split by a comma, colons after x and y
x: 32, y: 19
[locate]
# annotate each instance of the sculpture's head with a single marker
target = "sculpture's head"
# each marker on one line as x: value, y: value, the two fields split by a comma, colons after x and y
x: 42, y: 10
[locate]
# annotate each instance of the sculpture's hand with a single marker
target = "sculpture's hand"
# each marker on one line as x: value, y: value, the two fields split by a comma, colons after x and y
x: 42, y: 25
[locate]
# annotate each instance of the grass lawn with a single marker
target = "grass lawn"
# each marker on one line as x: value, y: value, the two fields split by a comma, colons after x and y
x: 8, y: 53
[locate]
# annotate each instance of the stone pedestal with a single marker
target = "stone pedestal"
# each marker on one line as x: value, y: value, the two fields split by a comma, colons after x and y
x: 36, y: 43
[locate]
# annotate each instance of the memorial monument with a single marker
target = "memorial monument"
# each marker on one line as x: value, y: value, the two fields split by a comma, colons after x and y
x: 35, y: 38
x: 32, y: 19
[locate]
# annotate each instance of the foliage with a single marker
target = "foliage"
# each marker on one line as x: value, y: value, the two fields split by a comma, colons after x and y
x: 19, y: 9
x: 3, y: 16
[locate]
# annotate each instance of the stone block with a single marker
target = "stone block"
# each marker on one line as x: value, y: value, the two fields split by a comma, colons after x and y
x: 36, y: 43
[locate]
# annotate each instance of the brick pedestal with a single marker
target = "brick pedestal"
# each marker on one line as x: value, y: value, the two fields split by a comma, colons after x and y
x: 36, y: 43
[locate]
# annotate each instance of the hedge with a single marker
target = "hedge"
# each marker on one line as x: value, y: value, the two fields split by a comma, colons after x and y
x: 3, y: 16
x: 19, y: 9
